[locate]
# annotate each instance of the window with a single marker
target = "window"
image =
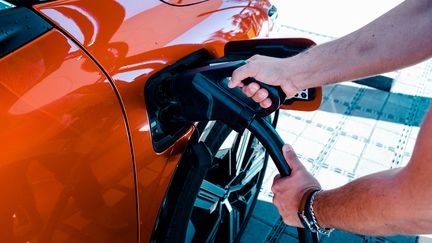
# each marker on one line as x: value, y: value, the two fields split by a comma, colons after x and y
x: 18, y: 26
x: 5, y: 5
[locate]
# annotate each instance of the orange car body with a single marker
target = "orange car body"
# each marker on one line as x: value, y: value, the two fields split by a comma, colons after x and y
x: 76, y: 145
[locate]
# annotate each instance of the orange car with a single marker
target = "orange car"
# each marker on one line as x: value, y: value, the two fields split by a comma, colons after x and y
x: 81, y: 158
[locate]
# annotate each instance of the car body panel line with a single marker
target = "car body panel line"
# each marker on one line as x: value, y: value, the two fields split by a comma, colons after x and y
x: 123, y: 110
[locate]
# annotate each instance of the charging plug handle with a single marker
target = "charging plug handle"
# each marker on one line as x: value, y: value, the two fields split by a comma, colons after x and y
x: 203, y: 95
x: 220, y: 73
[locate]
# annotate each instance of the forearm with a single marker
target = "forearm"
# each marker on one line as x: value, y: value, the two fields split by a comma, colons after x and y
x: 378, y: 204
x: 397, y: 39
x: 396, y: 201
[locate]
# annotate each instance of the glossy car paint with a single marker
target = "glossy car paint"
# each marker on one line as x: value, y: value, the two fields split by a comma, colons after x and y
x: 130, y: 41
x: 66, y: 172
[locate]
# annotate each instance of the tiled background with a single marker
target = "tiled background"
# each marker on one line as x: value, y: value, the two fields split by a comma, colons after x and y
x: 358, y: 130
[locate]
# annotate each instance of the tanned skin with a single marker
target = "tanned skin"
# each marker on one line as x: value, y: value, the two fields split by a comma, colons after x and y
x: 397, y: 201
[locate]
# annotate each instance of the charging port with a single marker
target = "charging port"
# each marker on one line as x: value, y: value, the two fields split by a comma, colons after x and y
x: 162, y: 103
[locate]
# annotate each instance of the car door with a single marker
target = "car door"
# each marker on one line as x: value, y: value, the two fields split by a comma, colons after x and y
x: 66, y: 168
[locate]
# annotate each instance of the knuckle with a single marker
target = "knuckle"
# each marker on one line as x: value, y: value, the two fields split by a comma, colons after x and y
x: 275, y: 188
x: 254, y: 57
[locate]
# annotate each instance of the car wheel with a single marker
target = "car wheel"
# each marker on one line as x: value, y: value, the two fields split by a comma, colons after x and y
x: 213, y: 202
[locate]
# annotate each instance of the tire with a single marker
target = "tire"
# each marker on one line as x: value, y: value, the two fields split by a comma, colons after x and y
x: 212, y: 201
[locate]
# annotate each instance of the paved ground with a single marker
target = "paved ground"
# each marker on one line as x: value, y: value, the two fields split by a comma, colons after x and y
x: 358, y: 130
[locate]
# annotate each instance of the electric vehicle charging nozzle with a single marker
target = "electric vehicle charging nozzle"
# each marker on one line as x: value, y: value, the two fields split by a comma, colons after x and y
x: 202, y: 94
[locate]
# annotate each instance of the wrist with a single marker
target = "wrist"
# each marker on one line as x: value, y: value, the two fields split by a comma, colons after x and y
x: 307, y: 214
x: 292, y: 81
x: 297, y: 73
x: 322, y: 213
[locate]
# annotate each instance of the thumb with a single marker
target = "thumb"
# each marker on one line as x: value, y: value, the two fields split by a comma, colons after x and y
x: 291, y: 157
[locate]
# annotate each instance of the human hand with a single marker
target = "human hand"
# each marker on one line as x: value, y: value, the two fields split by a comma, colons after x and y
x: 269, y: 70
x: 288, y: 191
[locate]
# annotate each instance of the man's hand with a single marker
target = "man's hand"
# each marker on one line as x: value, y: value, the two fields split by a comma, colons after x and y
x: 288, y: 191
x: 265, y: 69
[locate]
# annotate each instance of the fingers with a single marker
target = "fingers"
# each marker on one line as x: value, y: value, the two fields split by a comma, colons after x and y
x: 259, y: 95
x: 246, y: 71
x: 293, y: 162
x: 251, y: 89
x: 266, y: 69
x: 291, y: 157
